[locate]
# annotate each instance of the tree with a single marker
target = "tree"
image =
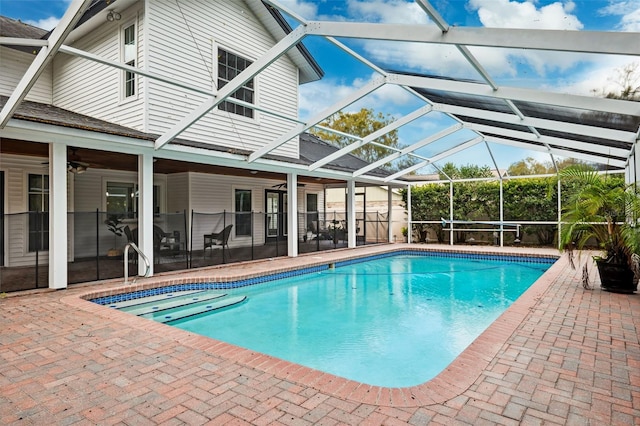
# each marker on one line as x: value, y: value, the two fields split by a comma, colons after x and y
x: 468, y: 171
x: 429, y: 202
x: 531, y: 166
x: 627, y: 80
x: 362, y: 124
x: 528, y: 166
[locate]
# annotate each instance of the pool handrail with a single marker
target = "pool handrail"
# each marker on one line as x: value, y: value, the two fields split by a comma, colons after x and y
x: 126, y: 261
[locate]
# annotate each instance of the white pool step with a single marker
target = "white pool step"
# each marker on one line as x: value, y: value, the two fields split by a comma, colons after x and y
x: 148, y: 299
x: 192, y: 309
x: 171, y: 303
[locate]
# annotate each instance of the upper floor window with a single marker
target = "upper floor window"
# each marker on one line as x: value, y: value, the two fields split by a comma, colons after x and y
x: 229, y: 66
x: 129, y: 55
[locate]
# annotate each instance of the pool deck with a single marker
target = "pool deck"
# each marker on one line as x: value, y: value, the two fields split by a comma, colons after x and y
x: 559, y: 355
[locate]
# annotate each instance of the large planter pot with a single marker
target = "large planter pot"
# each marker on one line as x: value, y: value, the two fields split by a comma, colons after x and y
x: 615, y: 277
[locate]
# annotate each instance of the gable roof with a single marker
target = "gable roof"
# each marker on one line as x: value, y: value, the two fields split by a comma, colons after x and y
x: 15, y: 28
x: 275, y: 23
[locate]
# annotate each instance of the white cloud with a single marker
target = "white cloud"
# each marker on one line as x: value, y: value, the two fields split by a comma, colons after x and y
x: 305, y: 9
x: 629, y: 12
x: 447, y: 60
x: 599, y: 77
x: 387, y: 11
x: 45, y: 23
x: 514, y: 14
x: 317, y: 96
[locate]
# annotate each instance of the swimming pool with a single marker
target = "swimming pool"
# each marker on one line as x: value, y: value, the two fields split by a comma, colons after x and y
x: 394, y: 322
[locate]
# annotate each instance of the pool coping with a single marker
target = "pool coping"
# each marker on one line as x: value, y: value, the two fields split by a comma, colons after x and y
x: 451, y: 382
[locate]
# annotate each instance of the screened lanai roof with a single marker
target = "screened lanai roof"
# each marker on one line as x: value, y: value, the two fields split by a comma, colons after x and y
x: 471, y: 87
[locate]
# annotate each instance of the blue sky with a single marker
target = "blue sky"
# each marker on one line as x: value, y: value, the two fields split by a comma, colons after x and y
x: 570, y: 73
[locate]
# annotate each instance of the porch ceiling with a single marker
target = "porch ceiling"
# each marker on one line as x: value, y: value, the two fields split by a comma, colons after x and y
x: 108, y: 160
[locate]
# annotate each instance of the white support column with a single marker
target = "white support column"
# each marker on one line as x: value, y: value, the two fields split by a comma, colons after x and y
x: 501, y: 214
x: 292, y: 214
x: 351, y: 213
x: 145, y: 210
x: 58, y: 216
x: 390, y: 214
x: 636, y: 166
x: 409, y: 214
x: 451, y: 212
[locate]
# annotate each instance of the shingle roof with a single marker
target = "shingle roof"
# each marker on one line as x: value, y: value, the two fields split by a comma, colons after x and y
x: 312, y: 148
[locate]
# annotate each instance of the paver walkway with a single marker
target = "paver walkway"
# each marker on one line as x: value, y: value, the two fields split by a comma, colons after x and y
x: 559, y: 355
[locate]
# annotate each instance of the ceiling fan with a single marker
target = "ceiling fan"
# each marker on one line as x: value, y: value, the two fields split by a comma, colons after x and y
x: 74, y: 164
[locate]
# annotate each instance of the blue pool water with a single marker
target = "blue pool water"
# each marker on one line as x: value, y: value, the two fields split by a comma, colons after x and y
x: 397, y: 321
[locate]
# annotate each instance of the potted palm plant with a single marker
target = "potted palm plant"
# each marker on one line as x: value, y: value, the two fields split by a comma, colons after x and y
x: 604, y: 212
x: 115, y: 225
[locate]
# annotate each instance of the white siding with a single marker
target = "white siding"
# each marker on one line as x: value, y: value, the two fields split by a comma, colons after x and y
x: 90, y: 197
x: 215, y: 194
x: 178, y: 193
x: 90, y: 200
x: 186, y: 51
x: 17, y: 169
x: 89, y: 88
x: 14, y: 64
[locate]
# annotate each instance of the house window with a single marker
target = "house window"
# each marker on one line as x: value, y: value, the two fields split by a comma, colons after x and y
x: 243, y: 212
x: 229, y: 66
x: 129, y: 54
x: 122, y: 199
x: 38, y: 195
x: 312, y: 213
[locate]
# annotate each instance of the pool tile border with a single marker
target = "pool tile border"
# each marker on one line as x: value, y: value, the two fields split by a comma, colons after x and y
x: 451, y: 382
x: 226, y: 283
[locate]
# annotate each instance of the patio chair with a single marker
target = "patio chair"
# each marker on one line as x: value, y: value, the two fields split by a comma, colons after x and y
x: 163, y: 242
x: 217, y: 239
x: 312, y: 231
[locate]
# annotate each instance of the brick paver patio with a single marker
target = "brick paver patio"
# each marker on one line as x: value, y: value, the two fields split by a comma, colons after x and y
x: 559, y: 355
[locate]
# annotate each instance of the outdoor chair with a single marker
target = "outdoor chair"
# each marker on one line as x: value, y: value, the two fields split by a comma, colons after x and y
x: 165, y: 242
x: 217, y: 239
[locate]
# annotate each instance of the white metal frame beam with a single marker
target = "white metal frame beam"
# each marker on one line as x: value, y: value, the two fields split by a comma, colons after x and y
x: 444, y: 27
x: 342, y: 103
x: 27, y: 42
x: 373, y: 136
x: 549, y: 140
x: 538, y: 123
x: 559, y: 152
x: 251, y: 71
x: 65, y: 26
x: 443, y: 154
x: 513, y: 93
x: 614, y: 43
x: 118, y: 65
x: 414, y: 146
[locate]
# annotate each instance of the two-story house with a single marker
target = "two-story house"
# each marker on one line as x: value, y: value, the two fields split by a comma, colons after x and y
x: 79, y: 160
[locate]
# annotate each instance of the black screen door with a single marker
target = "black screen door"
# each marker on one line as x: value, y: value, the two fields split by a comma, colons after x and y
x: 276, y: 217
